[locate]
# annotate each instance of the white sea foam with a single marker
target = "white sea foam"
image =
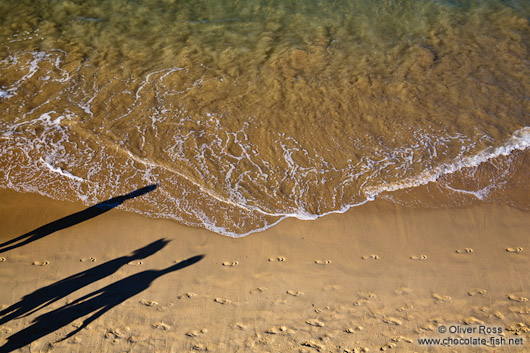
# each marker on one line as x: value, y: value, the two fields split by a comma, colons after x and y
x: 59, y: 170
x: 234, y: 197
x: 520, y: 140
x: 55, y: 57
x: 480, y: 194
x: 49, y: 121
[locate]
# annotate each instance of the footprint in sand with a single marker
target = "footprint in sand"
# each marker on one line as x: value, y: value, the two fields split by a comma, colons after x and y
x: 200, y: 347
x: 322, y: 262
x: 115, y: 334
x: 368, y: 295
x: 258, y: 290
x: 196, y: 333
x: 401, y: 338
x: 135, y: 263
x: 477, y: 291
x: 276, y: 330
x: 516, y: 298
x: 3, y: 259
x: 404, y: 308
x: 365, y: 298
x: 360, y: 302
x: 428, y: 327
x: 278, y: 258
x: 357, y: 350
x: 518, y: 328
x: 441, y: 298
x: 353, y: 330
x: 498, y: 315
x: 519, y: 310
x: 76, y: 340
x: 464, y: 251
x: 240, y: 326
x: 294, y: 293
x: 222, y: 301
x: 161, y: 326
x: 230, y: 263
x: 313, y: 344
x: 90, y: 259
x: 388, y: 346
x: 403, y: 290
x: 148, y: 302
x: 187, y: 295
x: 392, y: 321
x: 135, y: 339
x: 327, y: 307
x: 40, y: 263
x: 418, y: 257
x: 371, y: 257
x: 516, y: 250
x: 315, y: 322
x: 471, y: 320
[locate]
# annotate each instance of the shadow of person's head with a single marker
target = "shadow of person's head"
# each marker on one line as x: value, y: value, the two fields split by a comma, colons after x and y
x: 150, y: 249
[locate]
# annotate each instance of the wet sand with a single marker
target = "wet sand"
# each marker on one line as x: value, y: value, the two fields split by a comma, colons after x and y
x: 377, y: 278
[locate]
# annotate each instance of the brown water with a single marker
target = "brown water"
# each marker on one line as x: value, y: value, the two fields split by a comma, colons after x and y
x: 247, y: 112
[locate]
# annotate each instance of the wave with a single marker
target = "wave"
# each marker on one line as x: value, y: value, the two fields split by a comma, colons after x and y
x: 90, y: 163
x: 520, y: 140
x: 246, y: 123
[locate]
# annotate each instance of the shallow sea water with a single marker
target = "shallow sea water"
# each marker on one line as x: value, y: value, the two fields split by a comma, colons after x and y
x: 247, y: 112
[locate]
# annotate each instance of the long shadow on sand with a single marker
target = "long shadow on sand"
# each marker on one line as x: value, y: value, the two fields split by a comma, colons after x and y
x: 73, y: 219
x: 58, y: 290
x: 96, y: 303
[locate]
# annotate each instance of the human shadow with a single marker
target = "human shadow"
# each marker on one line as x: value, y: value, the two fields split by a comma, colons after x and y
x: 73, y: 219
x: 96, y: 303
x: 58, y: 290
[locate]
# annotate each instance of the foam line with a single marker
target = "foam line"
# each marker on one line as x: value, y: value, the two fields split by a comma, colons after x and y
x: 520, y: 140
x: 58, y: 170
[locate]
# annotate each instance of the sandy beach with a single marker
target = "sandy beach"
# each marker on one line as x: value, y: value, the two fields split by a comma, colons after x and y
x: 379, y: 277
x: 264, y: 176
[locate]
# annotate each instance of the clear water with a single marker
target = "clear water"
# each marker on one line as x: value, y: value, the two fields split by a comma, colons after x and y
x: 247, y: 112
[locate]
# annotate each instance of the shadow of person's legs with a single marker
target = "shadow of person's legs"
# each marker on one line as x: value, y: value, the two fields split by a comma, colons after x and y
x: 95, y: 304
x: 58, y: 290
x: 72, y: 219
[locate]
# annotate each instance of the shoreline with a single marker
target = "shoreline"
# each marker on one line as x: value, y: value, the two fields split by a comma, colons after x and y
x: 387, y: 273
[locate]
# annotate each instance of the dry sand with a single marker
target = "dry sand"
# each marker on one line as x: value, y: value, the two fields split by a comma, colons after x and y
x: 376, y: 278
